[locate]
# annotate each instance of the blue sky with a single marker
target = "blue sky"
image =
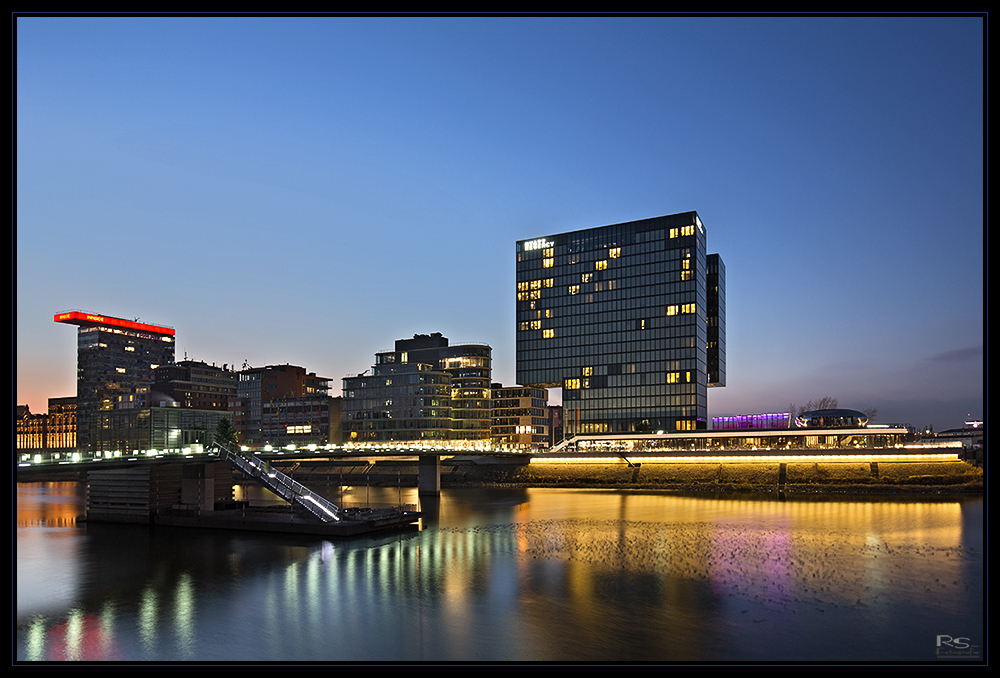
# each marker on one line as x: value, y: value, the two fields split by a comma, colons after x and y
x: 307, y: 190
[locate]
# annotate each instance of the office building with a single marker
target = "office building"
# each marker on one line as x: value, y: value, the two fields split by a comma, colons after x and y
x: 179, y: 411
x: 628, y: 320
x: 194, y: 384
x: 259, y: 387
x: 300, y: 422
x: 115, y: 357
x: 422, y: 390
x: 135, y: 428
x: 520, y: 417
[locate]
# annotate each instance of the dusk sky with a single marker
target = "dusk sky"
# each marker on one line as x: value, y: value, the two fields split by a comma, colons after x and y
x: 308, y: 190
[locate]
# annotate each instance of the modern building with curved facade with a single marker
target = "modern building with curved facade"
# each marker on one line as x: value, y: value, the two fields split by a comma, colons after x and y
x: 832, y: 419
x: 422, y: 390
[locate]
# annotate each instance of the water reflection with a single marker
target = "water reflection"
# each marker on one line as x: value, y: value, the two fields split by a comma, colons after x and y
x: 522, y: 575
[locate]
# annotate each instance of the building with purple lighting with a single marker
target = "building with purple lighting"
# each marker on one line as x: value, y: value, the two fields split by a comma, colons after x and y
x: 743, y: 422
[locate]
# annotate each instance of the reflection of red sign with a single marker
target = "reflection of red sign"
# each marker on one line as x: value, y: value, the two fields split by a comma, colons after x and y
x: 94, y: 320
x: 82, y: 640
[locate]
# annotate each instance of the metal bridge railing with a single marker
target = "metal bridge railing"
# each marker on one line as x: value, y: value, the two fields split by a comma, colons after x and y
x: 279, y: 483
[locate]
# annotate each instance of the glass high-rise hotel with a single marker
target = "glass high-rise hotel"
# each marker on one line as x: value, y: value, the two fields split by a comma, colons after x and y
x: 628, y: 319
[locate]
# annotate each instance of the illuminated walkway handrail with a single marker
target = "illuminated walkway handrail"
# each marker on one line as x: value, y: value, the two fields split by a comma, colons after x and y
x: 281, y: 484
x: 561, y: 445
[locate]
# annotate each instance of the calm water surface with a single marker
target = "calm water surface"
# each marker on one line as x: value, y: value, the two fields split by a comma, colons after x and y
x: 515, y: 575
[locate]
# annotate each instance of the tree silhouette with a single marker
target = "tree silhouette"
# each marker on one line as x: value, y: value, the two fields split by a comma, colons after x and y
x: 225, y: 433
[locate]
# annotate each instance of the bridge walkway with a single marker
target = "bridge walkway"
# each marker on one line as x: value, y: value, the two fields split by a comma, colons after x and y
x: 282, y: 485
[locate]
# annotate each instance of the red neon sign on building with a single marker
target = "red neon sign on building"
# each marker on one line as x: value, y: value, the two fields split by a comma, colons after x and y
x: 94, y: 320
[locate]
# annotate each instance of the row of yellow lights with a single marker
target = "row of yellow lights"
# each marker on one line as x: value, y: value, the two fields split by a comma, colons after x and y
x: 75, y: 457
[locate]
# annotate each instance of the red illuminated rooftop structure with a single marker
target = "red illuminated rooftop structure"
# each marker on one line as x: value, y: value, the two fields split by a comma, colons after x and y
x: 94, y: 320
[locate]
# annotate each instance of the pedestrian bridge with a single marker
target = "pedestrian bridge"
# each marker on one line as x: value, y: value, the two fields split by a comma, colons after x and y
x: 254, y: 462
x: 731, y: 446
x: 142, y: 481
x: 293, y: 492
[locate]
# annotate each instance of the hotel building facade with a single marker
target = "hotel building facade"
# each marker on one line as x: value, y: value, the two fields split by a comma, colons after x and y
x: 628, y: 320
x: 115, y: 357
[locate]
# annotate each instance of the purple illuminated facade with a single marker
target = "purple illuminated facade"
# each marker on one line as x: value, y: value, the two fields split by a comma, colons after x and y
x: 743, y: 422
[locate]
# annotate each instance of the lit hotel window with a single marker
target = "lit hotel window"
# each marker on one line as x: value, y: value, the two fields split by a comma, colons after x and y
x: 615, y: 252
x: 601, y: 265
x: 547, y: 263
x: 574, y: 289
x: 548, y: 334
x: 673, y: 309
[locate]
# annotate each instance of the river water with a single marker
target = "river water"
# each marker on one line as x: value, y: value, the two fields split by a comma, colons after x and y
x: 515, y: 575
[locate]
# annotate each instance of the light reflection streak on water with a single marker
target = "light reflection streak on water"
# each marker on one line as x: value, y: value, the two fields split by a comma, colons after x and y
x: 35, y: 640
x: 185, y: 619
x: 148, y: 620
x: 106, y: 632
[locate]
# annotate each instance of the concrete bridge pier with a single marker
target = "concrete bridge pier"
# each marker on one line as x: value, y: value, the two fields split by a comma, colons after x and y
x: 429, y: 475
x: 137, y: 494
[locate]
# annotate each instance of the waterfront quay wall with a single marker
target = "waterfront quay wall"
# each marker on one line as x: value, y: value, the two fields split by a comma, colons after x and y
x: 690, y: 475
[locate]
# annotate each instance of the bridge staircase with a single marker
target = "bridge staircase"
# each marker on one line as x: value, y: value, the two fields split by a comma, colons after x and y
x: 282, y: 485
x: 559, y: 447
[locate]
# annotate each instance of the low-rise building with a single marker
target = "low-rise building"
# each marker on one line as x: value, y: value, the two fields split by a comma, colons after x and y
x: 519, y: 417
x: 53, y: 430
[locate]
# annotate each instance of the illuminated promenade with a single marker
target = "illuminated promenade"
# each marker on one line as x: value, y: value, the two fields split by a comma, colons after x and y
x: 725, y: 447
